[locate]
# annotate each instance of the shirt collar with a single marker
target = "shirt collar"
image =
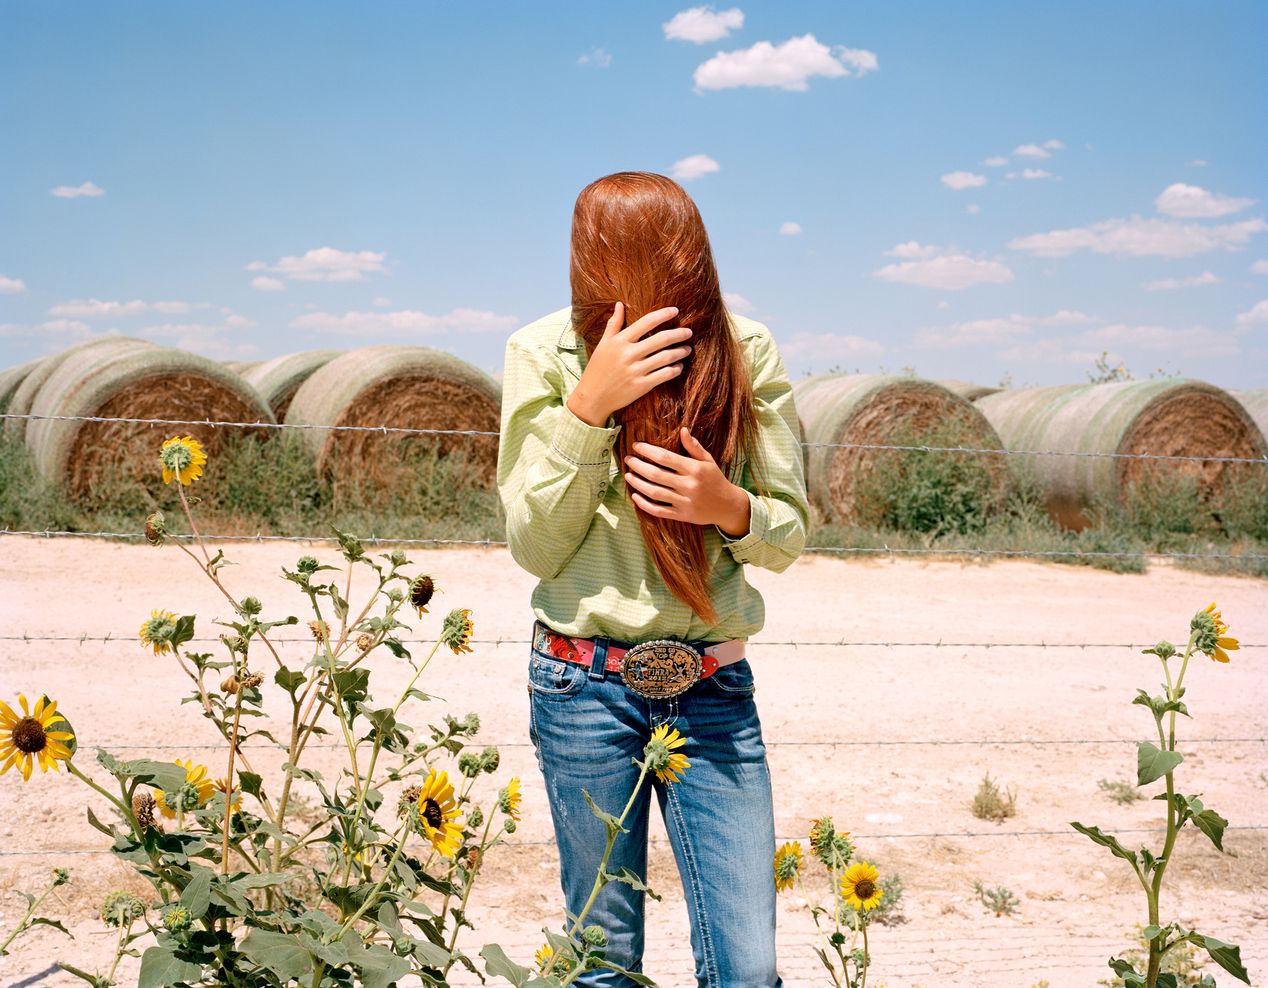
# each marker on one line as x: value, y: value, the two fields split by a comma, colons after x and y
x: 568, y: 338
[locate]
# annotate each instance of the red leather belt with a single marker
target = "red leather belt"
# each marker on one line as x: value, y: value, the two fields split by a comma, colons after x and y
x: 655, y: 669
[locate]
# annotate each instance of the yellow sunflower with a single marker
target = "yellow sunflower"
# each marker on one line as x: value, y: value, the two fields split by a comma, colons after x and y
x: 1222, y: 644
x: 437, y: 809
x: 196, y: 778
x: 787, y: 865
x: 157, y: 631
x: 182, y: 457
x: 35, y: 736
x: 457, y: 629
x: 509, y: 799
x: 661, y: 757
x: 860, y: 886
x: 222, y: 786
x: 545, y: 952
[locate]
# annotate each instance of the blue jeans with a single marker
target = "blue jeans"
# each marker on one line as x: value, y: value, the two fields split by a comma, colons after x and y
x: 586, y: 725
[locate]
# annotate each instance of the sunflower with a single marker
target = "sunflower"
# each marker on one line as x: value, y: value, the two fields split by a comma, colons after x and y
x: 437, y: 809
x: 157, y: 630
x: 421, y: 589
x: 457, y: 629
x: 196, y: 790
x: 509, y: 799
x: 1211, y: 639
x: 859, y: 886
x: 661, y: 757
x: 182, y: 457
x: 38, y: 735
x: 222, y: 786
x: 787, y: 865
x: 545, y: 952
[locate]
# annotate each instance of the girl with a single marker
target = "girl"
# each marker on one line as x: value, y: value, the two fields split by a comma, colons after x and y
x: 649, y: 448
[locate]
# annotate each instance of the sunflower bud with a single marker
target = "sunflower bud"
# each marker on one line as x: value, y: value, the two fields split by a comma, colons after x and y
x: 320, y: 629
x: 155, y: 529
x: 1164, y: 650
x: 594, y: 936
x: 229, y: 684
x: 60, y: 877
x: 176, y: 919
x: 475, y: 818
x: 457, y: 629
x: 364, y: 642
x: 251, y: 606
x: 143, y: 809
x: 307, y: 565
x: 121, y: 908
x: 469, y: 764
x: 489, y: 759
x: 252, y: 680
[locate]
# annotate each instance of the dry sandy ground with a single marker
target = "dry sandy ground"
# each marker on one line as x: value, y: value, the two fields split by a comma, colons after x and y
x: 892, y: 741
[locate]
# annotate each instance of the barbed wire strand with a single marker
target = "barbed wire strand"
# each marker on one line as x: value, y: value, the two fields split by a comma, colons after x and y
x: 390, y: 429
x: 933, y: 835
x: 132, y: 639
x: 492, y: 543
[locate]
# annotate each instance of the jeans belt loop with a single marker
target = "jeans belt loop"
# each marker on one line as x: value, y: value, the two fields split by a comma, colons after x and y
x: 599, y: 661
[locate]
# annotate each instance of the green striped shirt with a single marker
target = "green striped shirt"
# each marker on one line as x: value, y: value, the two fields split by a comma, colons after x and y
x: 570, y: 523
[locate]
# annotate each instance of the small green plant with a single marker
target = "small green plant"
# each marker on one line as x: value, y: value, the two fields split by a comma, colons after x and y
x: 1119, y: 791
x: 33, y: 903
x: 999, y: 900
x: 889, y: 912
x: 989, y: 803
x: 1105, y: 374
x: 1208, y: 635
x: 1184, y: 963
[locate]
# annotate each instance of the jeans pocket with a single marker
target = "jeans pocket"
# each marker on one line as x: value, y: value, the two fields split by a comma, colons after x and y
x: 554, y: 678
x: 735, y: 679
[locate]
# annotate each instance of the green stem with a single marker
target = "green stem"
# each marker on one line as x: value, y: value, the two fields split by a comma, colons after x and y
x: 399, y: 837
x: 603, y: 864
x: 867, y: 959
x: 466, y: 893
x: 22, y: 924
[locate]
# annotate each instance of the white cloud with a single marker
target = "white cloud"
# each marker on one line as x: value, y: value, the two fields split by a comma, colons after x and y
x: 11, y: 286
x: 1035, y: 173
x: 998, y: 161
x: 737, y: 302
x: 981, y: 332
x: 1192, y: 202
x: 95, y: 309
x: 912, y: 248
x: 1196, y: 341
x: 827, y: 346
x: 1049, y: 351
x: 1258, y: 313
x: 693, y: 166
x: 962, y: 180
x: 787, y: 65
x: 1140, y: 237
x: 1198, y: 162
x: 70, y: 329
x: 325, y: 264
x: 950, y: 270
x: 972, y: 208
x: 1031, y: 151
x: 206, y: 339
x: 599, y: 57
x: 789, y: 229
x: 381, y: 302
x: 238, y: 322
x: 701, y: 24
x: 263, y: 283
x: 944, y: 304
x: 1054, y: 143
x: 407, y: 321
x: 1170, y: 284
x: 89, y: 189
x: 1259, y: 267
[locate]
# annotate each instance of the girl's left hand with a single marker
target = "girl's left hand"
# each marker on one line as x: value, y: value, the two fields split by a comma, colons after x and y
x: 689, y: 488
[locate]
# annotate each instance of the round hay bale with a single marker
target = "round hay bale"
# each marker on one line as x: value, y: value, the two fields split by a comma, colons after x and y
x: 967, y: 389
x: 11, y: 379
x: 411, y: 387
x: 278, y: 379
x: 153, y: 382
x: 1167, y: 416
x: 874, y: 408
x: 241, y: 366
x: 23, y: 400
x: 1255, y: 402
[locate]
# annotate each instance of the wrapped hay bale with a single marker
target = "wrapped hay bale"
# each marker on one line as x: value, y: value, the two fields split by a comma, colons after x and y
x: 278, y: 379
x: 23, y: 400
x: 11, y: 379
x: 1167, y: 417
x: 150, y: 382
x: 1255, y: 402
x: 878, y: 409
x: 967, y: 389
x: 241, y: 366
x: 410, y: 387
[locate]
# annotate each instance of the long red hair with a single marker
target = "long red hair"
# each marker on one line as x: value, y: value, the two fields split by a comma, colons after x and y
x: 638, y: 238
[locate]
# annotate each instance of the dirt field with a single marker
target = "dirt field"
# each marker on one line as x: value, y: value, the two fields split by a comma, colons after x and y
x: 892, y: 741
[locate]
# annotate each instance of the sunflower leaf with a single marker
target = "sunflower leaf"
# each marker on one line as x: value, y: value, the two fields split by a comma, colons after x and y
x: 611, y: 822
x: 160, y: 966
x: 628, y: 877
x: 1211, y: 824
x: 1153, y: 763
x: 1106, y: 840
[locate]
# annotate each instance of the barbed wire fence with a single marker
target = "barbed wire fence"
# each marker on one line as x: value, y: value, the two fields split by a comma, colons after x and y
x: 914, y: 953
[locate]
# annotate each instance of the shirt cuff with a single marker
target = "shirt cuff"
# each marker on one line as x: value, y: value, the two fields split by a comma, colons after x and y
x: 582, y: 443
x: 758, y: 526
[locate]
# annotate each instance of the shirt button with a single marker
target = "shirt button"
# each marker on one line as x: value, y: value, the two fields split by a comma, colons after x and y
x: 603, y: 486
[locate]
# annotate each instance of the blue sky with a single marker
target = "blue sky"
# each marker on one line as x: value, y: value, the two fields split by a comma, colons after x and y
x: 971, y: 189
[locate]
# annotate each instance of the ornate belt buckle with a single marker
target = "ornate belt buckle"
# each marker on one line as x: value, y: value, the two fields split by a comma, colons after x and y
x: 661, y: 668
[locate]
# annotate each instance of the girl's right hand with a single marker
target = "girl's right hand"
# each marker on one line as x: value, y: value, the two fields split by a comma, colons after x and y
x: 627, y: 363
